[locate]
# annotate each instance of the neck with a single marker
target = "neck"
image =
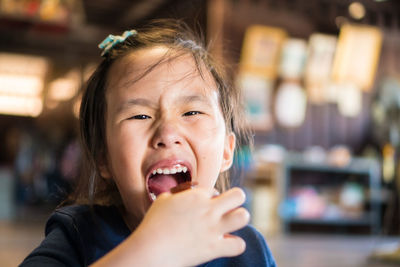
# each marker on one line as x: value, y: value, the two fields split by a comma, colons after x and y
x: 132, y: 221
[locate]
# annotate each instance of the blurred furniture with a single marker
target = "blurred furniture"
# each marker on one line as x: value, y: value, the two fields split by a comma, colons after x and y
x: 264, y: 194
x: 7, y: 205
x: 320, y: 197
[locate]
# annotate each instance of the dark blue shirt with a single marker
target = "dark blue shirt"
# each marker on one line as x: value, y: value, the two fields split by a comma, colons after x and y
x: 80, y: 235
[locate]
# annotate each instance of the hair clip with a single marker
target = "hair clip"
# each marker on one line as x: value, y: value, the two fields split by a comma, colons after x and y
x: 112, y: 40
x: 189, y: 44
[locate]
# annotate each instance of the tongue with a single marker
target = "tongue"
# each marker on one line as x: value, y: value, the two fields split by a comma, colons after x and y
x: 161, y: 183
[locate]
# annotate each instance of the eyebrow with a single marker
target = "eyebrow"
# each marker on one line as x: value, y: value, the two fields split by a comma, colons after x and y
x: 194, y: 98
x: 135, y: 102
x: 148, y: 103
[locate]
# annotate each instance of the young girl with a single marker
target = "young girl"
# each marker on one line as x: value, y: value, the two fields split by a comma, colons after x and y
x: 157, y: 113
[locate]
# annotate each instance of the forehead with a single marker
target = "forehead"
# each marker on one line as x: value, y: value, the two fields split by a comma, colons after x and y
x: 158, y: 66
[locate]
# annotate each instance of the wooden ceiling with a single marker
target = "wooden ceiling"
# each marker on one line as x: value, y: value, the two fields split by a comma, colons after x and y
x: 91, y: 21
x: 94, y: 19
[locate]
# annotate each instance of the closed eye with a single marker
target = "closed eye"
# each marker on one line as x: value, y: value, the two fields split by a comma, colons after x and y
x: 191, y: 113
x: 139, y: 117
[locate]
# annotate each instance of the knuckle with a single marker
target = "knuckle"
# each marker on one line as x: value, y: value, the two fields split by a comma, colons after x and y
x: 237, y: 247
x: 239, y: 193
x: 244, y: 215
x: 241, y: 246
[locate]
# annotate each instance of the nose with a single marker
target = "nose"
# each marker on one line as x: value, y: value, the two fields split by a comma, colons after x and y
x: 166, y: 135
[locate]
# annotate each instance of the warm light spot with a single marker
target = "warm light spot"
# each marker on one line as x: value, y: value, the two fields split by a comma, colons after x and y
x: 357, y: 10
x: 22, y: 106
x: 64, y: 88
x: 22, y: 64
x: 21, y: 85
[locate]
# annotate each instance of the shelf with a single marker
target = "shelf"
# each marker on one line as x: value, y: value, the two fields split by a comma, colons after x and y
x: 337, y: 221
x: 356, y: 166
x: 323, y: 182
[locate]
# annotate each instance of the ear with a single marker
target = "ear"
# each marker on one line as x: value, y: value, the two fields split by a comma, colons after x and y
x: 104, y: 169
x: 229, y: 150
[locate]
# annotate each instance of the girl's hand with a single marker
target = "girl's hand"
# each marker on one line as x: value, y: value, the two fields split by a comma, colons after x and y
x: 186, y: 229
x: 190, y: 227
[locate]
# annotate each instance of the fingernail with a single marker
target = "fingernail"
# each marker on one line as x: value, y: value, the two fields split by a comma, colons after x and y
x: 216, y: 193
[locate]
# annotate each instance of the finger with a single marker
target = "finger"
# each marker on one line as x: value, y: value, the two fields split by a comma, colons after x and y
x: 229, y: 200
x: 235, y: 220
x: 232, y: 245
x: 164, y: 195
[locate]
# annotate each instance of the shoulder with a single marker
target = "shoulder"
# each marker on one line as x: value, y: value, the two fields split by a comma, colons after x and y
x: 249, y: 232
x: 256, y: 246
x: 80, y: 212
x: 74, y: 213
x: 257, y: 252
x: 92, y: 230
x: 68, y: 215
x: 63, y: 244
x: 84, y: 216
x: 73, y: 219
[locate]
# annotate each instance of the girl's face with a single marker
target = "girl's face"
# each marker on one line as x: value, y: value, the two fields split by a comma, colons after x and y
x: 161, y: 124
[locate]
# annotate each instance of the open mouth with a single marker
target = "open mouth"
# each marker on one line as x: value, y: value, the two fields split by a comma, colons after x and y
x: 163, y: 179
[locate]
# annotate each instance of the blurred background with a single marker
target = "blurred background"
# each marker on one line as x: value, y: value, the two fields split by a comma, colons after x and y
x: 321, y: 82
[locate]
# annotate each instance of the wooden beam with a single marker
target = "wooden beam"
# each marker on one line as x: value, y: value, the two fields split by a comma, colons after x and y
x: 140, y: 10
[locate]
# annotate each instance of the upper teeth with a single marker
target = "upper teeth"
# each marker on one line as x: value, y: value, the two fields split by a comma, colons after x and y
x: 173, y: 170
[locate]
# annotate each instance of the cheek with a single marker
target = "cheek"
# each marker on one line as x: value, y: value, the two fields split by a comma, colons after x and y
x: 208, y: 129
x: 210, y: 141
x: 125, y: 149
x: 210, y: 151
x: 125, y: 156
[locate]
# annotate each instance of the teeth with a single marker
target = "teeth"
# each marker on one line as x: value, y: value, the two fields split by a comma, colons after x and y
x: 153, y: 196
x: 173, y: 170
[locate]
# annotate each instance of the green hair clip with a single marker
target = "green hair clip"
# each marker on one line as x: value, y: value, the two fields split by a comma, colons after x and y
x: 112, y: 40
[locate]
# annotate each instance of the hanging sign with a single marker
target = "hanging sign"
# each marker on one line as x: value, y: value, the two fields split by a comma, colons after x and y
x: 261, y: 51
x: 317, y: 76
x: 257, y: 93
x: 357, y: 55
x: 293, y: 59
